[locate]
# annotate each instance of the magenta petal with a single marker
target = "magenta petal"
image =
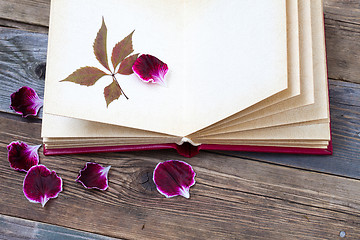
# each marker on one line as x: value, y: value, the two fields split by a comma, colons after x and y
x: 174, y: 178
x: 149, y: 68
x: 93, y: 175
x: 41, y: 184
x: 22, y: 156
x: 26, y: 102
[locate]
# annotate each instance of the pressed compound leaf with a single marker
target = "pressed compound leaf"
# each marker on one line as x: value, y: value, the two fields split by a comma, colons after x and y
x: 121, y: 50
x: 126, y: 65
x: 112, y: 92
x: 100, y: 46
x: 85, y: 76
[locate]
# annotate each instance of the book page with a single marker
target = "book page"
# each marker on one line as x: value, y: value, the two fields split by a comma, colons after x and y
x: 318, y: 131
x: 162, y: 29
x: 292, y: 16
x: 54, y: 126
x: 319, y: 127
x: 306, y: 80
x: 230, y: 63
x: 158, y: 31
x: 310, y: 113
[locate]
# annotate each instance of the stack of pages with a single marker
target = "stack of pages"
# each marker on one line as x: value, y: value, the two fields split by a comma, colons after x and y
x: 243, y: 75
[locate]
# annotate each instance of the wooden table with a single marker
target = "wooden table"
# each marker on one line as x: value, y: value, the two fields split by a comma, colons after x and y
x: 236, y: 196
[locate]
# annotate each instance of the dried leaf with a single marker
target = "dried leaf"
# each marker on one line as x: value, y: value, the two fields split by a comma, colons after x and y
x: 100, y: 46
x: 121, y: 50
x: 112, y: 92
x: 126, y: 65
x: 85, y: 76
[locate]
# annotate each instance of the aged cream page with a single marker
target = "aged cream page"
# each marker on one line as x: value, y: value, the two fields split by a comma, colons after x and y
x: 293, y: 89
x: 306, y: 80
x: 54, y: 126
x: 318, y: 128
x: 160, y: 30
x: 309, y: 112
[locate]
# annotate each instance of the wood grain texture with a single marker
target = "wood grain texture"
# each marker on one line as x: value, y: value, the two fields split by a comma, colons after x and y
x: 22, y: 63
x: 30, y: 12
x: 12, y: 228
x: 233, y: 198
x: 342, y: 29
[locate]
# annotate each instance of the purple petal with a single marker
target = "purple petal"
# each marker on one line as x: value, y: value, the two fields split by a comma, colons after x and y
x: 149, y: 68
x: 22, y: 156
x: 174, y: 178
x: 41, y: 184
x: 26, y: 102
x: 93, y: 175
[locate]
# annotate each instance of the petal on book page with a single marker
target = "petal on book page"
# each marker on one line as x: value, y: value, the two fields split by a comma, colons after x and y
x: 150, y: 69
x: 26, y: 101
x: 93, y: 175
x: 174, y: 178
x: 22, y: 156
x: 41, y: 184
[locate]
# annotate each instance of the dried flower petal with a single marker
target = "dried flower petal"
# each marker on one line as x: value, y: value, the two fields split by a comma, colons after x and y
x: 22, y: 156
x: 149, y: 68
x: 26, y: 102
x: 174, y: 178
x: 41, y: 184
x: 93, y: 175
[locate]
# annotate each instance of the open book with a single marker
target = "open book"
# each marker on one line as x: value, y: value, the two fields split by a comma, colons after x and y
x: 246, y: 75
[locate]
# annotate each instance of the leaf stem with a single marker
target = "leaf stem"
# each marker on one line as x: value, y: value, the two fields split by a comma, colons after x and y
x: 114, y: 78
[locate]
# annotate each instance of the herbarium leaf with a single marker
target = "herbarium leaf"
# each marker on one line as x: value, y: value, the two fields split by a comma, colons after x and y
x: 100, y: 46
x: 121, y: 50
x: 112, y: 92
x: 126, y: 65
x: 85, y: 76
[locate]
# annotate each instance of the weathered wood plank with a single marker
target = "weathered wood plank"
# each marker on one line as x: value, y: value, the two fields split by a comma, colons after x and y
x: 12, y: 228
x: 23, y: 26
x: 233, y: 198
x: 34, y: 12
x: 22, y: 63
x: 342, y: 29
